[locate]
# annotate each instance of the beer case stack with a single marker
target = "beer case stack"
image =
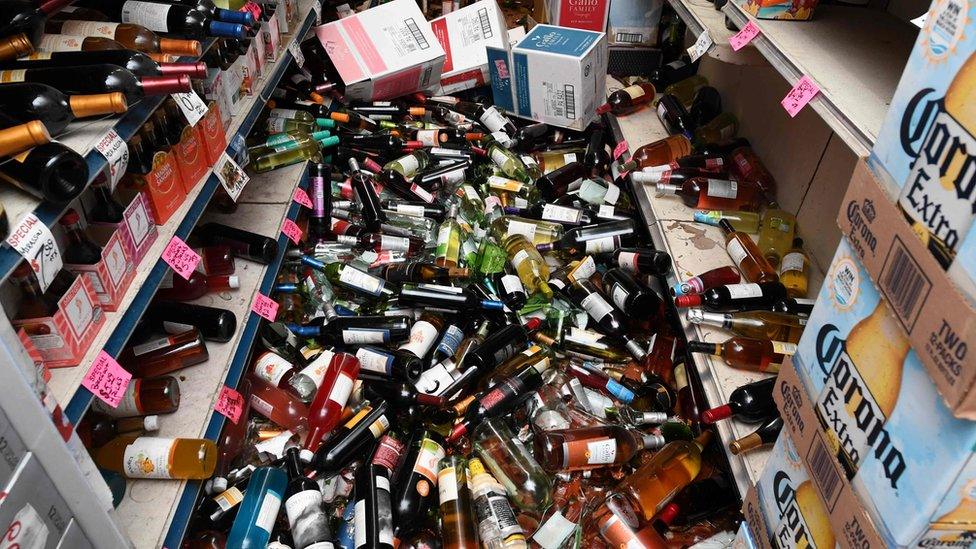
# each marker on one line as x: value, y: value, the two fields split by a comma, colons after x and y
x: 879, y: 401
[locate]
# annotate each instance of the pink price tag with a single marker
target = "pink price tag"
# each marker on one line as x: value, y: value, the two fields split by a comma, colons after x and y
x: 265, y: 307
x: 291, y: 230
x: 744, y: 36
x: 181, y: 257
x: 106, y: 379
x: 302, y: 198
x: 800, y: 95
x: 230, y: 403
x: 620, y: 149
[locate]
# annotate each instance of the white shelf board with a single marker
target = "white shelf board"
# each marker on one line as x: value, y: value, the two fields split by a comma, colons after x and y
x: 700, y: 15
x: 696, y: 248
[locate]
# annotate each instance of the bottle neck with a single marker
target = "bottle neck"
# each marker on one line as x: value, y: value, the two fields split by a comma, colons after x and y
x: 698, y: 316
x: 704, y: 347
x: 97, y: 104
x: 165, y: 85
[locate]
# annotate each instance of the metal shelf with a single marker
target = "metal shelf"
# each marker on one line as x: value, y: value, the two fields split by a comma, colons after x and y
x: 119, y: 325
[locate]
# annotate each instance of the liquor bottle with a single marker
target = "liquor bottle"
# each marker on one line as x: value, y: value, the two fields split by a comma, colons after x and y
x: 332, y: 396
x: 755, y: 324
x: 512, y: 463
x: 158, y: 458
x: 165, y: 355
x: 500, y: 398
x: 528, y: 263
x: 309, y: 149
x: 747, y: 222
x: 95, y: 432
x: 658, y: 153
x: 446, y: 298
x: 319, y: 224
x: 591, y: 447
x: 374, y: 510
x: 496, y: 522
x: 144, y: 397
x: 706, y: 281
x: 80, y: 250
x: 648, y: 489
x: 380, y: 242
x: 756, y: 355
x: 368, y: 198
x: 19, y: 138
x: 750, y: 403
x: 15, y: 46
x: 100, y: 79
x: 747, y: 256
x: 493, y: 349
x: 419, y: 271
x: 177, y: 288
x: 52, y: 172
x: 414, y: 488
x: 706, y: 193
x: 607, y: 318
x: 643, y: 261
x: 457, y: 528
x: 765, y: 434
x: 129, y: 35
x: 632, y: 298
x: 629, y: 99
x: 245, y: 244
x: 794, y: 271
x: 307, y: 519
x: 593, y: 239
x: 776, y: 234
x: 279, y: 372
x: 353, y: 439
x: 173, y: 19
x: 355, y: 330
x: 259, y: 510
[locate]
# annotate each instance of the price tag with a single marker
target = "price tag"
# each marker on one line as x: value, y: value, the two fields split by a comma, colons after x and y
x: 192, y: 106
x: 181, y: 257
x: 230, y: 403
x: 265, y: 307
x: 33, y: 240
x: 302, y: 198
x: 317, y: 8
x: 800, y: 95
x: 114, y: 149
x: 26, y: 530
x: 620, y: 149
x: 584, y: 270
x: 701, y: 46
x: 744, y: 36
x: 290, y: 228
x: 107, y: 380
x: 296, y: 52
x: 231, y: 176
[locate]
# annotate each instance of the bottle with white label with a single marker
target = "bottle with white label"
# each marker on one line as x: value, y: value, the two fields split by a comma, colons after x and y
x: 794, y: 270
x: 736, y: 297
x: 373, y: 515
x: 510, y: 288
x: 744, y: 353
x: 457, y: 526
x: 303, y: 505
x: 360, y: 282
x: 496, y: 522
x: 158, y: 458
x: 607, y: 318
x: 259, y: 511
x: 279, y: 372
x: 747, y: 256
x: 709, y: 193
x: 633, y: 298
x: 591, y: 447
x: 593, y: 239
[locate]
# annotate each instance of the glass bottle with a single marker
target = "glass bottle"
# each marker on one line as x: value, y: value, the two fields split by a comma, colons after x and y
x: 556, y: 182
x: 245, y: 244
x: 507, y: 161
x: 176, y: 288
x: 143, y: 397
x: 756, y: 355
x: 539, y: 232
x: 164, y: 355
x: 631, y: 297
x: 794, y: 271
x: 496, y: 522
x: 750, y: 403
x: 307, y: 519
x: 332, y: 396
x: 353, y: 439
x: 457, y: 527
x: 409, y: 165
x: 721, y: 128
x: 607, y: 318
x: 97, y: 431
x: 658, y: 153
x: 373, y: 511
x: 310, y: 150
x: 80, y: 250
x: 158, y: 458
x: 509, y: 461
x: 776, y: 235
x: 686, y: 89
x: 528, y: 263
x: 642, y: 261
x: 708, y: 193
x: 591, y: 447
x: 105, y: 209
x: 757, y: 324
x: 674, y: 116
x: 449, y: 235
x: 279, y: 372
x: 258, y: 512
x: 278, y: 405
x: 173, y: 318
x: 747, y: 222
x: 360, y: 282
x: 767, y: 433
x: 629, y: 99
x: 419, y: 271
x: 414, y: 490
x: 747, y: 256
x: 33, y: 303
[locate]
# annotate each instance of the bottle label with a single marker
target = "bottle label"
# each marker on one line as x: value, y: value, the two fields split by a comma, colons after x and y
x: 522, y: 228
x: 430, y: 454
x: 148, y: 457
x: 423, y: 335
x: 451, y: 340
x: 736, y: 251
x: 354, y: 278
x: 429, y: 138
x: 627, y: 261
x: 493, y: 119
x: 341, y: 390
x: 634, y: 91
x: 176, y: 327
x: 365, y: 335
x: 410, y: 209
x: 423, y: 193
x: 744, y: 291
x: 375, y: 361
x: 619, y: 295
x: 151, y: 346
x: 359, y: 522
x: 388, y: 452
x: 148, y: 14
x: 792, y: 261
x: 283, y: 113
x: 519, y: 257
x: 784, y: 348
x: 409, y: 164
x: 301, y: 507
x: 13, y: 76
x: 619, y: 534
x: 61, y: 42
x: 89, y: 28
x: 394, y: 243
x: 443, y: 240
x: 580, y: 453
x: 447, y: 484
x: 271, y: 368
x: 229, y: 498
x: 554, y: 531
x: 379, y: 426
x: 500, y: 183
x: 722, y: 188
x: 601, y: 245
x: 568, y: 158
x: 268, y: 512
x: 613, y: 194
x: 561, y: 214
x: 435, y: 380
x: 499, y: 156
x: 128, y: 406
x: 606, y: 211
x: 596, y: 306
x: 512, y: 284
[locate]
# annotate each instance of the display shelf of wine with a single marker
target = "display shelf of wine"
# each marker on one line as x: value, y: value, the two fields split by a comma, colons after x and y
x: 701, y: 15
x: 855, y: 55
x: 696, y: 248
x: 152, y: 509
x: 65, y: 382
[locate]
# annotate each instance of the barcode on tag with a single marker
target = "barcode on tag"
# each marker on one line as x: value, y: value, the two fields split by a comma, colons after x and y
x: 417, y: 35
x: 569, y: 98
x: 904, y: 283
x: 824, y: 472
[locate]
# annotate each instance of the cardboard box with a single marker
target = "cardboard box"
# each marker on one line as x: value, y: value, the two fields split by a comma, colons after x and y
x: 163, y: 186
x: 634, y: 21
x: 867, y: 418
x: 464, y: 34
x: 588, y: 15
x: 191, y: 158
x: 214, y: 93
x: 112, y: 275
x: 271, y: 34
x: 554, y: 75
x: 33, y: 501
x: 74, y: 538
x: 940, y: 322
x: 783, y: 509
x: 384, y: 52
x: 212, y: 131
x: 63, y: 339
x: 777, y: 9
x: 137, y: 231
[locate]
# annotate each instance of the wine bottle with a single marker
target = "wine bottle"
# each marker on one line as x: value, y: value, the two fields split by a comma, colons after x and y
x: 643, y: 261
x: 143, y: 397
x: 356, y: 330
x: 175, y: 19
x: 351, y: 440
x: 19, y: 138
x: 319, y: 225
x: 366, y: 195
x: 130, y: 35
x: 27, y: 18
x: 757, y: 324
x: 419, y: 271
x: 707, y: 280
x: 736, y: 297
x: 97, y: 431
x: 658, y: 153
x: 446, y: 297
x: 593, y: 239
x: 50, y: 171
x: 591, y: 447
x: 629, y: 99
x: 528, y: 263
x: 259, y: 510
x: 457, y: 528
x: 751, y: 403
x: 776, y: 234
x: 496, y: 522
x: 15, y: 46
x: 303, y: 505
x: 176, y: 288
x: 373, y: 509
x: 765, y: 434
x: 279, y: 372
x: 747, y: 256
x: 414, y: 488
x: 794, y: 271
x: 158, y: 458
x: 757, y: 355
x: 332, y: 396
x: 100, y: 79
x: 80, y: 249
x: 245, y: 244
x: 747, y: 222
x: 607, y: 318
x: 500, y: 398
x: 632, y: 298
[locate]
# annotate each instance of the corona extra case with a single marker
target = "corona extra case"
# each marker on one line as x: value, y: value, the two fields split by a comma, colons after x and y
x: 908, y: 459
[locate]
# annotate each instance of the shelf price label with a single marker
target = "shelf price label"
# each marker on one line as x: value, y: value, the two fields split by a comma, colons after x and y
x: 181, y: 257
x: 231, y: 176
x: 33, y: 240
x: 265, y: 307
x: 230, y: 403
x: 116, y: 152
x: 106, y: 379
x: 291, y: 230
x: 302, y: 198
x: 192, y: 106
x: 296, y: 52
x: 744, y: 36
x: 800, y: 95
x: 701, y: 46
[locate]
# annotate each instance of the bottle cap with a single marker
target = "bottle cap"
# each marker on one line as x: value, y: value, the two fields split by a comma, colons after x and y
x: 476, y: 467
x: 669, y: 513
x: 233, y: 282
x: 24, y: 136
x: 326, y: 123
x: 726, y: 226
x: 533, y: 324
x: 231, y: 16
x: 193, y: 70
x: 16, y: 46
x: 635, y: 349
x: 695, y: 316
x: 412, y: 144
x: 746, y: 443
x: 716, y: 414
x: 665, y: 189
x: 165, y: 85
x: 231, y: 30
x: 703, y: 347
x: 457, y: 432
x: 218, y: 485
x: 305, y: 455
x: 430, y: 400
x: 70, y: 217
x: 603, y: 108
x: 180, y: 47
x: 331, y: 141
x: 97, y: 104
x: 692, y: 300
x: 150, y: 423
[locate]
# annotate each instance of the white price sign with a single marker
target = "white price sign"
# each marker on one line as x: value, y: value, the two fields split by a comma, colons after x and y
x: 33, y: 240
x: 317, y: 8
x: 296, y: 51
x: 192, y: 106
x: 701, y: 46
x: 231, y: 176
x: 115, y: 150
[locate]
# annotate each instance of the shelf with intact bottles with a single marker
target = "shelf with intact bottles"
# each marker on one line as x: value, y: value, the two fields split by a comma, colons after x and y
x: 695, y: 248
x: 155, y: 513
x: 119, y: 325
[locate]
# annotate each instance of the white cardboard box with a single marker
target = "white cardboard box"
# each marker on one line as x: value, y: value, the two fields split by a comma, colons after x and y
x: 579, y: 14
x: 464, y: 34
x: 384, y: 52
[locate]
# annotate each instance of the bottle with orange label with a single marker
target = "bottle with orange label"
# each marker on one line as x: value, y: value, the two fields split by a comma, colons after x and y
x: 415, y: 487
x: 158, y: 458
